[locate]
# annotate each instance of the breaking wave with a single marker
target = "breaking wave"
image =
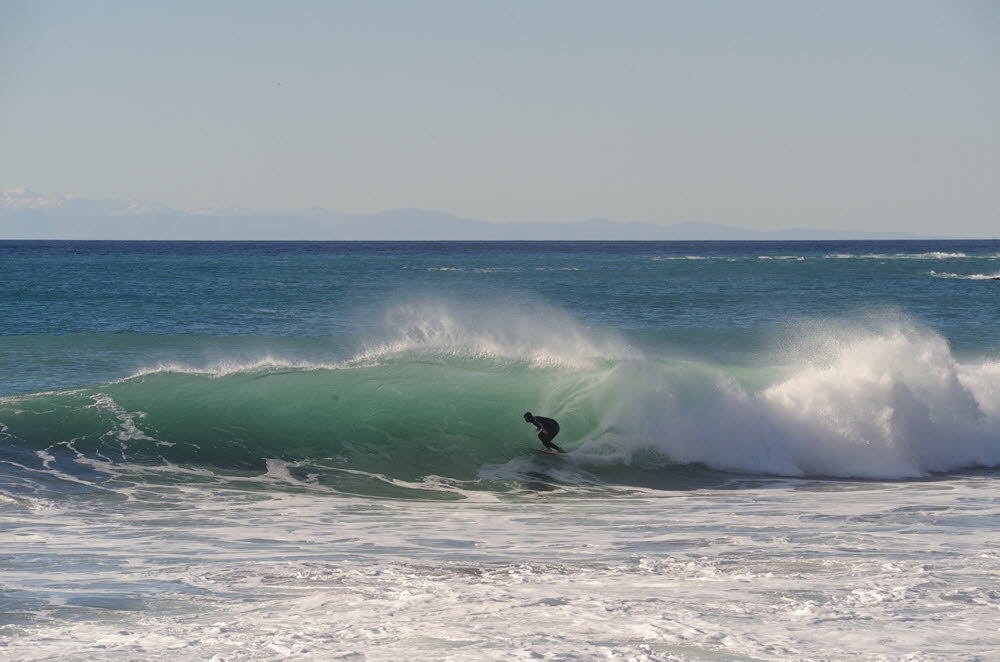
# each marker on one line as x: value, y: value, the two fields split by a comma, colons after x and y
x: 443, y: 397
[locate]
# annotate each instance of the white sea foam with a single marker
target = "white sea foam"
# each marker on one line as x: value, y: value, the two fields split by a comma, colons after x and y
x: 878, y: 403
x: 789, y: 570
x: 932, y: 255
x: 992, y: 276
x: 937, y: 255
x: 125, y: 429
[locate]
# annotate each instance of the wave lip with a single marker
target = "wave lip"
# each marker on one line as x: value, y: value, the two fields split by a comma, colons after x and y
x: 225, y: 368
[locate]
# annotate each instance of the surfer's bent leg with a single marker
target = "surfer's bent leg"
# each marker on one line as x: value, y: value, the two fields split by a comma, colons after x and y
x: 546, y: 440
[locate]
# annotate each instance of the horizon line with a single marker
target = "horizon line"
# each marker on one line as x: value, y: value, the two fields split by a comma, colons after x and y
x: 500, y: 241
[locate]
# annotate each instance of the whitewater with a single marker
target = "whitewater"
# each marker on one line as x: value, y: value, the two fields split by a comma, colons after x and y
x: 282, y: 450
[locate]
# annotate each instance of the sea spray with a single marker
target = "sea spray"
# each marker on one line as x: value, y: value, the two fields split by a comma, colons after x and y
x: 533, y: 331
x: 892, y: 403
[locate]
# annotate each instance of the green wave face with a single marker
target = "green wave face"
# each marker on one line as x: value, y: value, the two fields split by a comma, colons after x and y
x: 401, y: 418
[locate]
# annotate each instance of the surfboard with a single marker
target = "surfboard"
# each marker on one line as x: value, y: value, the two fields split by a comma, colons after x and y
x: 538, y: 450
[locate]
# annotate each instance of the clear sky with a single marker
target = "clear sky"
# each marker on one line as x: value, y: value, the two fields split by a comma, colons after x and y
x: 872, y: 115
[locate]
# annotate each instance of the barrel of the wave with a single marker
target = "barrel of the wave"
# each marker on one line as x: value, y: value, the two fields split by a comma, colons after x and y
x: 402, y: 417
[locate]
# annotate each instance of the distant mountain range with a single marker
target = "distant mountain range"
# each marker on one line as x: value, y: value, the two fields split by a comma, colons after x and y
x: 25, y: 214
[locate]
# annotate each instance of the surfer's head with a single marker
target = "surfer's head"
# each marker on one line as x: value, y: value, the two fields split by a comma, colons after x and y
x: 528, y: 417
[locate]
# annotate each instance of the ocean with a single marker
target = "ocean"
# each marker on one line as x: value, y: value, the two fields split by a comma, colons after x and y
x: 315, y: 450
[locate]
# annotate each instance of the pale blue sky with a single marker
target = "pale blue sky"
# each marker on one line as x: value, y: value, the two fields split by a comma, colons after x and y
x: 854, y: 115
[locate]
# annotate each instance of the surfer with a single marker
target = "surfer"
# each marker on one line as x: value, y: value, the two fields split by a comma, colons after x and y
x: 547, y: 430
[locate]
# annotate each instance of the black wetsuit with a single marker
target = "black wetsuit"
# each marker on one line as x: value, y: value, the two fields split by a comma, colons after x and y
x: 547, y: 431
